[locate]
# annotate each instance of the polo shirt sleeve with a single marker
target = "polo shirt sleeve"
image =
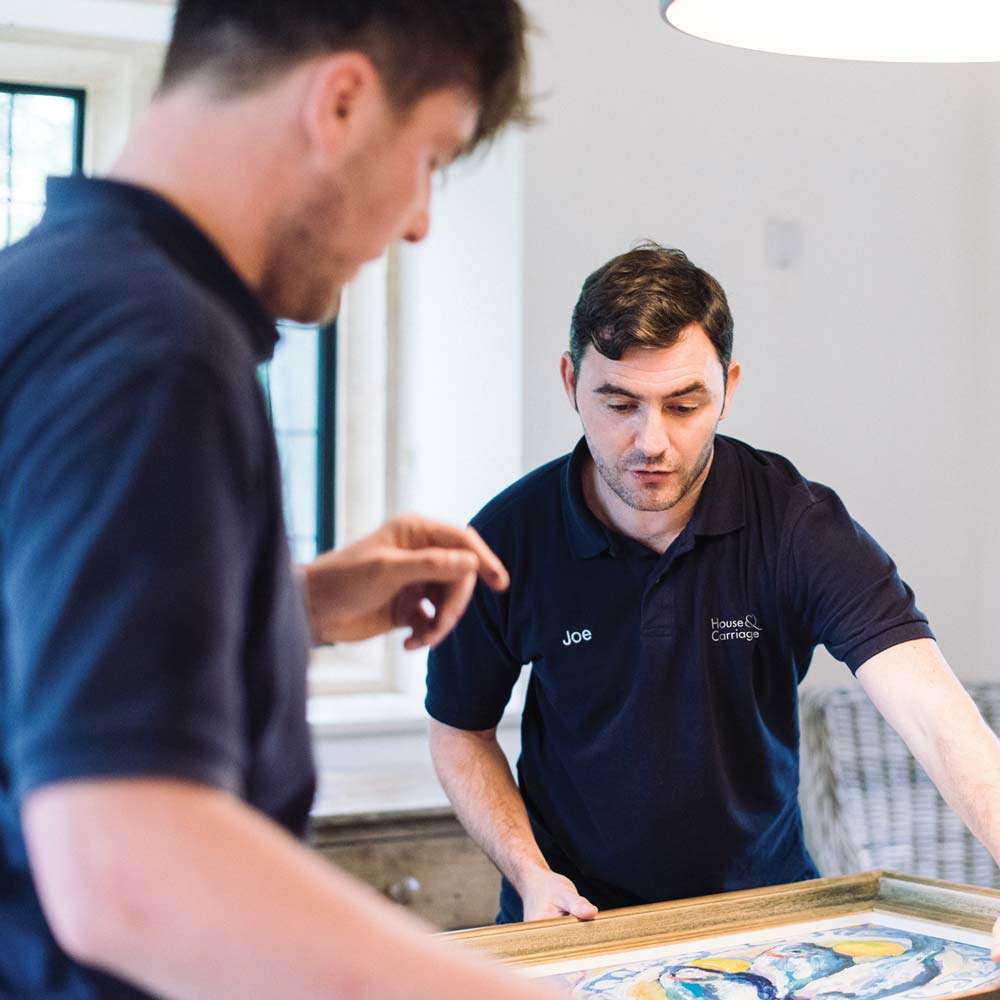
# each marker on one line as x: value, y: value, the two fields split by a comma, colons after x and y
x: 845, y: 589
x: 126, y: 552
x: 470, y: 674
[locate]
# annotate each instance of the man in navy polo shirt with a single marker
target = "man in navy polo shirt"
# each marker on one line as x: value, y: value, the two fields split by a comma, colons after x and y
x: 155, y: 765
x: 668, y: 588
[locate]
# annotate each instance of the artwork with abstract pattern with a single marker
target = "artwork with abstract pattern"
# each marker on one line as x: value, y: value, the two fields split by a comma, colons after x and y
x: 866, y: 961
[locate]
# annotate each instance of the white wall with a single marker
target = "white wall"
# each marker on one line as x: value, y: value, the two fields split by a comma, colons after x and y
x: 986, y: 385
x: 862, y: 361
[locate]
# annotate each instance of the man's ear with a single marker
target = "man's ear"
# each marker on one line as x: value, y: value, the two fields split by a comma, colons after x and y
x: 568, y: 374
x: 732, y: 381
x: 343, y: 98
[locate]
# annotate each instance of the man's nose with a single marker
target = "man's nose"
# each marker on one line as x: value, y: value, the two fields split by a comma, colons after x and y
x: 419, y: 226
x: 420, y: 220
x: 652, y: 437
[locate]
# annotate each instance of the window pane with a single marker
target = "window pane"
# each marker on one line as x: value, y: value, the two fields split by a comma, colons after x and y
x: 5, y: 142
x: 294, y: 382
x: 303, y: 549
x: 293, y: 379
x: 37, y: 139
x: 42, y: 140
x: 297, y: 453
x: 22, y: 219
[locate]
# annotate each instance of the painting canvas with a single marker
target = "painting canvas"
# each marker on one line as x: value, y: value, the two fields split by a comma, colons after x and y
x: 861, y: 957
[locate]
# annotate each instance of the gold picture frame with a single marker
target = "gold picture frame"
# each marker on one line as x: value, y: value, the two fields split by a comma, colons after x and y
x: 951, y: 905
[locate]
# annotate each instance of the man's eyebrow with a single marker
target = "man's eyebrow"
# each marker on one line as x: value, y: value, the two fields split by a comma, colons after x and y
x: 610, y: 389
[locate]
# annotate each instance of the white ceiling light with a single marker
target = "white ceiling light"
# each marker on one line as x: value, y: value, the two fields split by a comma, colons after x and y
x: 874, y: 30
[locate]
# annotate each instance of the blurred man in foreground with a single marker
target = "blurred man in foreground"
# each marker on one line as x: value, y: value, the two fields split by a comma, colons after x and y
x: 156, y: 767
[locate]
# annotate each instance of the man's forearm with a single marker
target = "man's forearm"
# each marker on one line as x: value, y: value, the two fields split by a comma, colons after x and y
x: 915, y: 689
x: 963, y: 761
x: 189, y: 893
x: 475, y: 775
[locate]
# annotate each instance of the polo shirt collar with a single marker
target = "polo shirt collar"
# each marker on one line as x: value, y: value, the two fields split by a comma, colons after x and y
x: 174, y: 232
x: 721, y: 507
x: 587, y: 536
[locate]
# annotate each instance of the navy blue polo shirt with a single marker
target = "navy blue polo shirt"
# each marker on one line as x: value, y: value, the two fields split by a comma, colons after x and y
x: 660, y: 737
x: 150, y: 624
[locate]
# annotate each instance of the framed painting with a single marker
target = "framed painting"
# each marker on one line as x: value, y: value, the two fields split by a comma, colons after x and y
x: 861, y: 937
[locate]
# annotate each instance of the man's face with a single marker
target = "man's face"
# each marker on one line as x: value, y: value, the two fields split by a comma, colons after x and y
x: 377, y: 193
x: 650, y: 417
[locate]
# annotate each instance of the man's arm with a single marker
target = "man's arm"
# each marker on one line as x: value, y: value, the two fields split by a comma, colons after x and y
x: 477, y: 779
x: 187, y: 892
x: 912, y: 685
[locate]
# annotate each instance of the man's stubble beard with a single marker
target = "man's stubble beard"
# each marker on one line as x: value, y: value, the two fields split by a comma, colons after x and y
x: 302, y: 278
x: 615, y: 481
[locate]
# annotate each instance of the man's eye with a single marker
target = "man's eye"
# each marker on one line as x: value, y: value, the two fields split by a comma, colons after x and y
x: 684, y: 410
x: 621, y: 407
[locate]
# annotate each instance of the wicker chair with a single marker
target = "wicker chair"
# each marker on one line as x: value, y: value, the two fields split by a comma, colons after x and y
x: 866, y: 803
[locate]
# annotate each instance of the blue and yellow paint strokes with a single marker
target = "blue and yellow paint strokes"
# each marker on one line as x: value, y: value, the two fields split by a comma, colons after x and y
x: 864, y: 962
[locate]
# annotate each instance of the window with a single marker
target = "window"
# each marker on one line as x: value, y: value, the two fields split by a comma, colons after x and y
x: 300, y: 383
x: 41, y: 133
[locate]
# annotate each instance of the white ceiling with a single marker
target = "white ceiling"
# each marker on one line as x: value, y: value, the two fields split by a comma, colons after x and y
x: 122, y: 20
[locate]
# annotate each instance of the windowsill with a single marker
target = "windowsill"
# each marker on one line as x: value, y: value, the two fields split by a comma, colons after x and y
x: 382, y: 713
x: 377, y: 713
x: 373, y: 757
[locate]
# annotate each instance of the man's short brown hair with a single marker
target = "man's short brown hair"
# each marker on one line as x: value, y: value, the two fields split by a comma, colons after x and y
x: 418, y: 46
x: 645, y: 298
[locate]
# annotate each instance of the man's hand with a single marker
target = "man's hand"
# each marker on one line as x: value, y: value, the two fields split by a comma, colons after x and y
x: 548, y: 894
x: 411, y: 572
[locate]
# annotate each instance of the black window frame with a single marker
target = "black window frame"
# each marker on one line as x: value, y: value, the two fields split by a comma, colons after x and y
x: 326, y: 440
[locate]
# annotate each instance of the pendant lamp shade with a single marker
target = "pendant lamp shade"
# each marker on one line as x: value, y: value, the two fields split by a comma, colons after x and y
x: 871, y: 30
